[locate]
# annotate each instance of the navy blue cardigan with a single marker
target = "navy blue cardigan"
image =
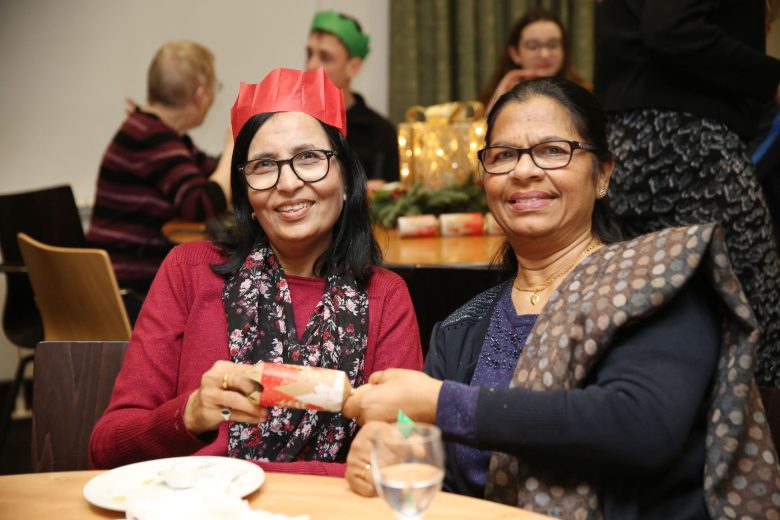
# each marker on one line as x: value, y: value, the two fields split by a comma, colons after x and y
x: 638, y: 426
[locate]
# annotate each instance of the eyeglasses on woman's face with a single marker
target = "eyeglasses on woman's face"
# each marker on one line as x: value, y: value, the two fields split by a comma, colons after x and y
x: 549, y: 155
x: 537, y: 46
x: 308, y: 165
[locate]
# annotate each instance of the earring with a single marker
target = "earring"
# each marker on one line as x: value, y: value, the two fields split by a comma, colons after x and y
x: 254, y: 217
x: 344, y: 197
x: 602, y: 192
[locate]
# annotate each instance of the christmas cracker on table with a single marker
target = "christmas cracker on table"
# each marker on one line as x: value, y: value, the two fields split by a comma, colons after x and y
x: 418, y: 226
x: 461, y: 224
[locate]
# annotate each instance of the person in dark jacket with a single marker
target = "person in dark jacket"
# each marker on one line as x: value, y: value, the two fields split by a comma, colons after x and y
x: 605, y: 378
x: 683, y: 83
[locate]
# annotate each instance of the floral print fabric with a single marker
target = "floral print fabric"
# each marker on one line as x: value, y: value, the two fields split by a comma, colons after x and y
x: 261, y: 327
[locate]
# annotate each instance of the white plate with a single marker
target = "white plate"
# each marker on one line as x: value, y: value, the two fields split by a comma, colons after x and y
x: 109, y: 490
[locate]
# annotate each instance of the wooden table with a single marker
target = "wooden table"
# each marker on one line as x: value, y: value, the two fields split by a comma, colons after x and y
x: 58, y: 496
x: 182, y: 231
x: 473, y: 251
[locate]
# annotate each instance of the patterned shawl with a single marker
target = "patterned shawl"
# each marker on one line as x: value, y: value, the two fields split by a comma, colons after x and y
x: 261, y: 327
x: 619, y: 285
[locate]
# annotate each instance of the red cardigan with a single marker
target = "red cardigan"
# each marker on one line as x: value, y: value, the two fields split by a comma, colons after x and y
x: 182, y: 331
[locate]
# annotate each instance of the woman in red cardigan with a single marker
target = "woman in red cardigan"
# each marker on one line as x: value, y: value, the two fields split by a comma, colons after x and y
x: 298, y: 285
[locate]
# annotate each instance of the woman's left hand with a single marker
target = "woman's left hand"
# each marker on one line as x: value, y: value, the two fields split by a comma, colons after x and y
x: 358, y: 473
x: 416, y: 393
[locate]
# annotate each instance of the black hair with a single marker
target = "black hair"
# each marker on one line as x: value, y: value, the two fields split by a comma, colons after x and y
x: 590, y: 121
x: 353, y: 248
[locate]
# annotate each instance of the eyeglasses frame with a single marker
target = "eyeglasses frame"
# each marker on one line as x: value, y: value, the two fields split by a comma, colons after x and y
x: 551, y: 46
x: 575, y: 145
x: 281, y: 162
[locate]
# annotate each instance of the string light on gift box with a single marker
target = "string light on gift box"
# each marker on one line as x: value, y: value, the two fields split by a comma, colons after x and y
x: 438, y: 145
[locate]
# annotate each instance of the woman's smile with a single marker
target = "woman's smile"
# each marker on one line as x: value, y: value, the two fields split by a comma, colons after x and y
x: 530, y: 200
x: 294, y: 209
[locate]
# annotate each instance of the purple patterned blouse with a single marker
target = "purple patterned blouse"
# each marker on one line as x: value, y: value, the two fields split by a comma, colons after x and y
x: 457, y: 408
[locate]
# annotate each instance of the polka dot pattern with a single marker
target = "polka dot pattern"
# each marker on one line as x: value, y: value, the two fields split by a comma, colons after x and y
x: 623, y: 283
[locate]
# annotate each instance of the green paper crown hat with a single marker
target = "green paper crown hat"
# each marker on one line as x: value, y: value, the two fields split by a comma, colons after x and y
x: 344, y: 29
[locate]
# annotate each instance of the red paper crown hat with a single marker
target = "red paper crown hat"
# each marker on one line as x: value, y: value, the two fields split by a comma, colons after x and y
x: 290, y: 90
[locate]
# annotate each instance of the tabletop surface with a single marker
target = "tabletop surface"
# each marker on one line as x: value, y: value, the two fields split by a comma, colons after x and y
x: 472, y: 251
x: 59, y: 496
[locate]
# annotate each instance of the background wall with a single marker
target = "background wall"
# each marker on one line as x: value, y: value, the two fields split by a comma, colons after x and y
x: 66, y: 67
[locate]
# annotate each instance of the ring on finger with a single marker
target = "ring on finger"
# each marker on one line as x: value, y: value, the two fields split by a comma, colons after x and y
x: 364, y: 473
x: 225, y: 413
x: 225, y: 380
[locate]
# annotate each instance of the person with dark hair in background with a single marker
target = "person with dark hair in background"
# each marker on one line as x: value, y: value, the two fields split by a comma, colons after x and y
x: 152, y: 172
x: 300, y: 284
x: 605, y: 379
x: 338, y: 44
x: 683, y: 83
x: 537, y: 46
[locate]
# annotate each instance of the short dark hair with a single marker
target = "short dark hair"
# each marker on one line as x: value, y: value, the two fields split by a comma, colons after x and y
x: 353, y: 248
x: 590, y: 121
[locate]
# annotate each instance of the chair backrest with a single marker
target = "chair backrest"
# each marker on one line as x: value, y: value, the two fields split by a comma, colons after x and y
x: 76, y: 291
x: 438, y: 291
x: 71, y: 389
x: 49, y: 215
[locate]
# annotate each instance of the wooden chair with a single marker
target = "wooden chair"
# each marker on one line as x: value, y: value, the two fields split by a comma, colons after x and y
x: 71, y: 389
x: 76, y: 291
x: 49, y: 215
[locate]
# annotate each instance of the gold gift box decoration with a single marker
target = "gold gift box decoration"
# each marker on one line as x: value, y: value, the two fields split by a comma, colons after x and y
x: 438, y: 145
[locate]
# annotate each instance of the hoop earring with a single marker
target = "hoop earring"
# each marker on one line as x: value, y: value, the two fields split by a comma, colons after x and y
x: 602, y: 192
x: 254, y: 217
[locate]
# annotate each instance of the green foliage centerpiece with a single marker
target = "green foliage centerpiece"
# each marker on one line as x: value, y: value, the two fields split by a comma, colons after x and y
x: 389, y: 204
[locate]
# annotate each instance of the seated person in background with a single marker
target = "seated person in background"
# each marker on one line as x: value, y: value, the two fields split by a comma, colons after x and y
x: 337, y: 43
x: 152, y: 172
x: 301, y: 285
x: 537, y: 47
x: 604, y: 379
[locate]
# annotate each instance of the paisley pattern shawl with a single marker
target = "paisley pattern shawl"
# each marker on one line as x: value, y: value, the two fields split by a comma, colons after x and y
x: 619, y: 285
x: 261, y: 327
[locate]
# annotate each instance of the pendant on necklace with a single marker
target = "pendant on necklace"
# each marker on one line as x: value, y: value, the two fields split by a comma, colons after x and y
x: 535, y: 298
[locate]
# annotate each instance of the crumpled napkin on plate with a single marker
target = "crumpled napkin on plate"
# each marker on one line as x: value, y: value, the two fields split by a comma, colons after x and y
x: 198, y: 503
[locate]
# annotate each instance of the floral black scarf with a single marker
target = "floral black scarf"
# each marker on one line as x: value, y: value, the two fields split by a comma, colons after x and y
x: 261, y: 327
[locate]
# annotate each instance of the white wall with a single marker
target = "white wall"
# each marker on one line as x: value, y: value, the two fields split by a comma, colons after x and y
x: 66, y: 67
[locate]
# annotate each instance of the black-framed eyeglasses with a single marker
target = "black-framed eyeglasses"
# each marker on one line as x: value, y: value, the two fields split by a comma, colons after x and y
x: 549, y: 155
x: 308, y: 166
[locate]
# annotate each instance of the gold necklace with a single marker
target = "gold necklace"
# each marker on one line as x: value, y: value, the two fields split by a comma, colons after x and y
x: 536, y: 290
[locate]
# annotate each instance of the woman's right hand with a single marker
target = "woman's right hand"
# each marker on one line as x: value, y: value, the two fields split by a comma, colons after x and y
x: 510, y: 79
x: 222, y: 386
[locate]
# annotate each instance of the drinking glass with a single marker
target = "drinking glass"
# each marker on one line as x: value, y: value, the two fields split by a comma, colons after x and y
x: 407, y: 462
